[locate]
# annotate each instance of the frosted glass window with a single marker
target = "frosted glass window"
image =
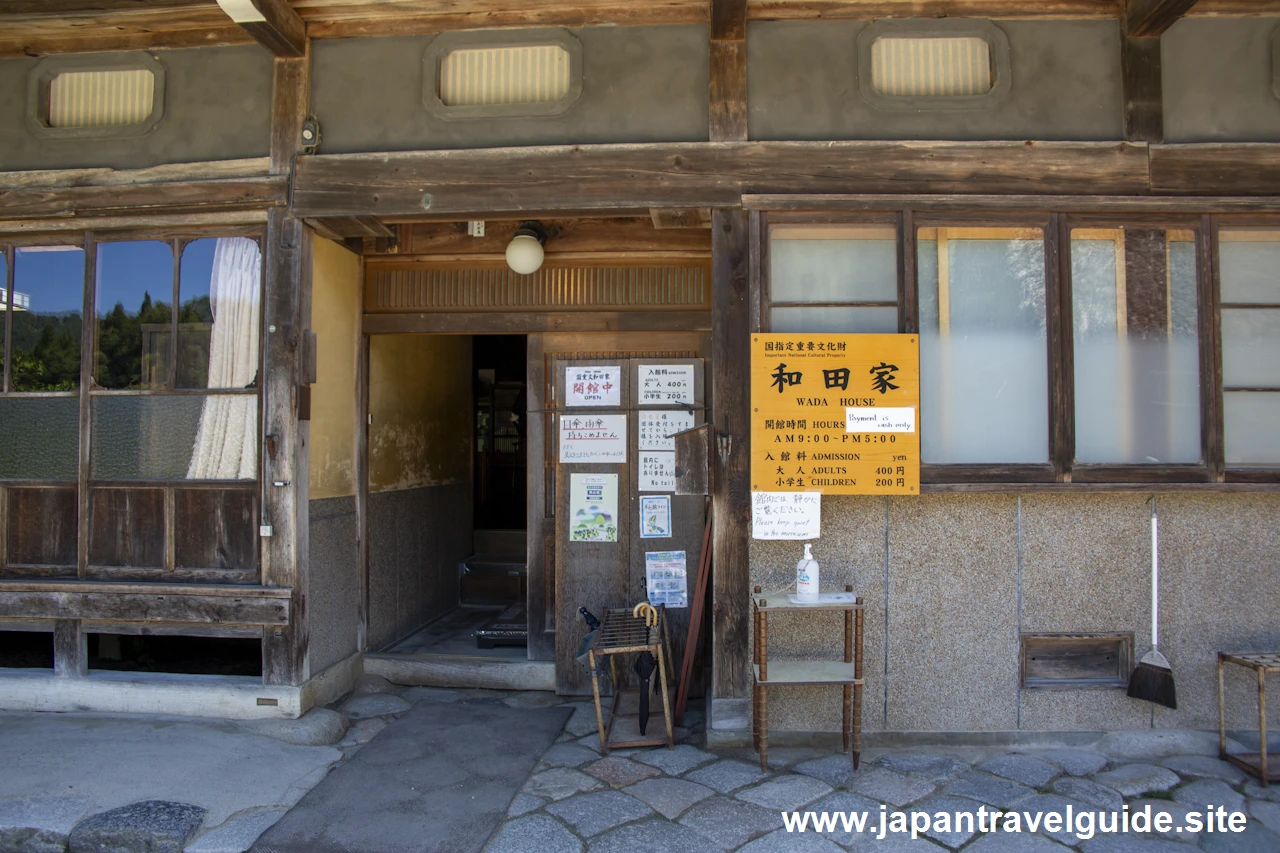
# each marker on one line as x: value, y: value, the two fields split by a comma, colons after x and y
x: 836, y: 319
x: 931, y: 67
x: 833, y: 264
x: 1249, y: 270
x: 134, y: 295
x: 175, y: 438
x: 46, y: 336
x: 532, y: 74
x: 983, y: 351
x: 1136, y: 356
x: 41, y: 438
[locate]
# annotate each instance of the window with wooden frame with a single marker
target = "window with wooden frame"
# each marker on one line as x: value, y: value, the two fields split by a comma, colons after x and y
x: 1069, y: 348
x: 1249, y: 276
x: 161, y: 388
x: 833, y: 278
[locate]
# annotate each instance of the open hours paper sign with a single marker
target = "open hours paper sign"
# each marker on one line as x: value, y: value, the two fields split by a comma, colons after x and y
x: 593, y: 507
x: 837, y: 414
x: 593, y: 438
x: 593, y: 386
x: 786, y: 515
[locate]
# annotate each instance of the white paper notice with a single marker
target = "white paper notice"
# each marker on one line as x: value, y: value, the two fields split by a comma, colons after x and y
x: 897, y: 419
x: 593, y: 438
x: 593, y: 386
x: 593, y: 507
x: 657, y: 471
x: 655, y: 517
x: 657, y: 427
x: 786, y: 515
x: 663, y: 384
x: 666, y: 579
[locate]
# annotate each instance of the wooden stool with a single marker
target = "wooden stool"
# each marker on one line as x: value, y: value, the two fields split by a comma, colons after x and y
x: 1266, y: 768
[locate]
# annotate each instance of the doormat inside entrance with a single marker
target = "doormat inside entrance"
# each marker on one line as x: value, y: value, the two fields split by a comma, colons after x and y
x: 440, y: 778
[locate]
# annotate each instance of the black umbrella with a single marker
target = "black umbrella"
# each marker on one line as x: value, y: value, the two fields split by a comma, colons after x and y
x: 645, y: 664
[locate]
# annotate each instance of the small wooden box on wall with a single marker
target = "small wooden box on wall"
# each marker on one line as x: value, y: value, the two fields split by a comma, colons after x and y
x: 693, y: 461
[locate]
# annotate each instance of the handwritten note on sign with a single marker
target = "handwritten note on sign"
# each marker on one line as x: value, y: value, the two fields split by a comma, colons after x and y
x: 786, y: 515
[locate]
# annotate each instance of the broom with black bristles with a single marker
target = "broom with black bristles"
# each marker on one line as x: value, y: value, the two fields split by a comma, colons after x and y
x: 1152, y: 678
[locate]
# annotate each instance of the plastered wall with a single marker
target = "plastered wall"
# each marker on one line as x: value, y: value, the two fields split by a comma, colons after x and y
x: 217, y: 107
x: 420, y: 402
x: 1219, y: 80
x: 335, y: 312
x: 950, y: 582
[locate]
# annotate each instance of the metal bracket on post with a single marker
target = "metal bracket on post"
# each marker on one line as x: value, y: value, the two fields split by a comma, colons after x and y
x: 724, y: 442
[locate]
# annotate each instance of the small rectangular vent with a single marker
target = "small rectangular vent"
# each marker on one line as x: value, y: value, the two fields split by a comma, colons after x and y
x: 1076, y: 660
x: 101, y: 98
x: 555, y: 287
x: 532, y: 74
x: 931, y: 67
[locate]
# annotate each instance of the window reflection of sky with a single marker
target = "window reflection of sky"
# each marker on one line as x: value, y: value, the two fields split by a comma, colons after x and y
x: 53, y: 279
x: 197, y: 268
x: 128, y: 270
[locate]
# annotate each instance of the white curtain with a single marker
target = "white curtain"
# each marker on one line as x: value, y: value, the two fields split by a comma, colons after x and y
x: 226, y: 446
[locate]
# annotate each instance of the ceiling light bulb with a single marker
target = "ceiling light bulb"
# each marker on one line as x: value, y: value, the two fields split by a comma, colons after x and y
x: 524, y: 253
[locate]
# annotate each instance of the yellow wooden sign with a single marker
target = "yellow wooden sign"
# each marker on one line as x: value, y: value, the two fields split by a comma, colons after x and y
x: 839, y: 414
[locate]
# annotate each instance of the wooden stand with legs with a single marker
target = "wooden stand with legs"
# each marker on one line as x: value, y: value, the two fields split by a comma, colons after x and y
x: 1265, y: 767
x: 623, y: 634
x: 847, y: 673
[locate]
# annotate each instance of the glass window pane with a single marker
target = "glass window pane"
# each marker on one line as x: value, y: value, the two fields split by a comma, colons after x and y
x: 1250, y: 347
x: 175, y: 438
x: 834, y: 319
x: 41, y: 438
x: 220, y: 292
x: 134, y: 299
x: 1137, y: 371
x: 1249, y: 265
x: 46, y: 335
x: 1250, y: 432
x: 983, y: 352
x: 833, y: 264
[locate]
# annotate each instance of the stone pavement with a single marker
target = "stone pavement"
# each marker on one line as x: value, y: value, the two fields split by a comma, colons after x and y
x: 108, y: 783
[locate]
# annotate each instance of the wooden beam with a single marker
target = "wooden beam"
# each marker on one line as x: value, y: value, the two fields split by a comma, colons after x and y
x: 70, y: 649
x: 728, y: 49
x: 730, y: 497
x: 485, y: 182
x: 1143, y: 89
x: 522, y: 323
x: 272, y: 23
x: 631, y: 234
x: 1150, y: 18
x: 1239, y: 169
x: 1033, y: 203
x: 148, y: 602
x: 168, y: 197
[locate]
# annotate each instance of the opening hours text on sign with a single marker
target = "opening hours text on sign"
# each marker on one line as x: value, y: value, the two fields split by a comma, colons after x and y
x: 837, y: 414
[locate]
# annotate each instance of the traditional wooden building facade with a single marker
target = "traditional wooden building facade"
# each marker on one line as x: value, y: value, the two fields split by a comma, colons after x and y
x: 333, y: 384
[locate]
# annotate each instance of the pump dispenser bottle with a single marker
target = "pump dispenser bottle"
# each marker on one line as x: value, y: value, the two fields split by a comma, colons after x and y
x: 807, y: 578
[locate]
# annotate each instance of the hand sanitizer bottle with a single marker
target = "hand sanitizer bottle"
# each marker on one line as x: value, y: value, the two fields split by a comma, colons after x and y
x: 807, y: 578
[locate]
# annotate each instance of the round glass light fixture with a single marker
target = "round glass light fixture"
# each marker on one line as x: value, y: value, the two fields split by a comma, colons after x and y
x: 524, y: 252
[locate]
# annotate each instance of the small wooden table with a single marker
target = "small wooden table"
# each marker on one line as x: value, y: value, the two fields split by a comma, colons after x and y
x: 621, y: 633
x: 847, y: 672
x: 1265, y: 767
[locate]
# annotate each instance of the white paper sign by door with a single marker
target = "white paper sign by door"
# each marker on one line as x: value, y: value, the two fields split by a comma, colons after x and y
x: 657, y: 471
x: 593, y: 438
x: 593, y: 386
x: 786, y: 515
x: 657, y: 427
x: 664, y: 384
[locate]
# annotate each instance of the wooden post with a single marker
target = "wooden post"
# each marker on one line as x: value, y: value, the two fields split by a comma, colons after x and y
x: 70, y: 649
x: 1143, y: 89
x: 88, y: 359
x: 286, y: 319
x: 728, y: 102
x: 730, y: 393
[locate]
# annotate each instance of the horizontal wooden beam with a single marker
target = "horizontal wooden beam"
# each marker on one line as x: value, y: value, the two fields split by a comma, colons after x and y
x: 1239, y: 169
x: 168, y: 197
x: 1150, y: 18
x: 272, y: 23
x: 527, y: 323
x: 239, y: 605
x: 473, y: 183
x: 1029, y: 203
